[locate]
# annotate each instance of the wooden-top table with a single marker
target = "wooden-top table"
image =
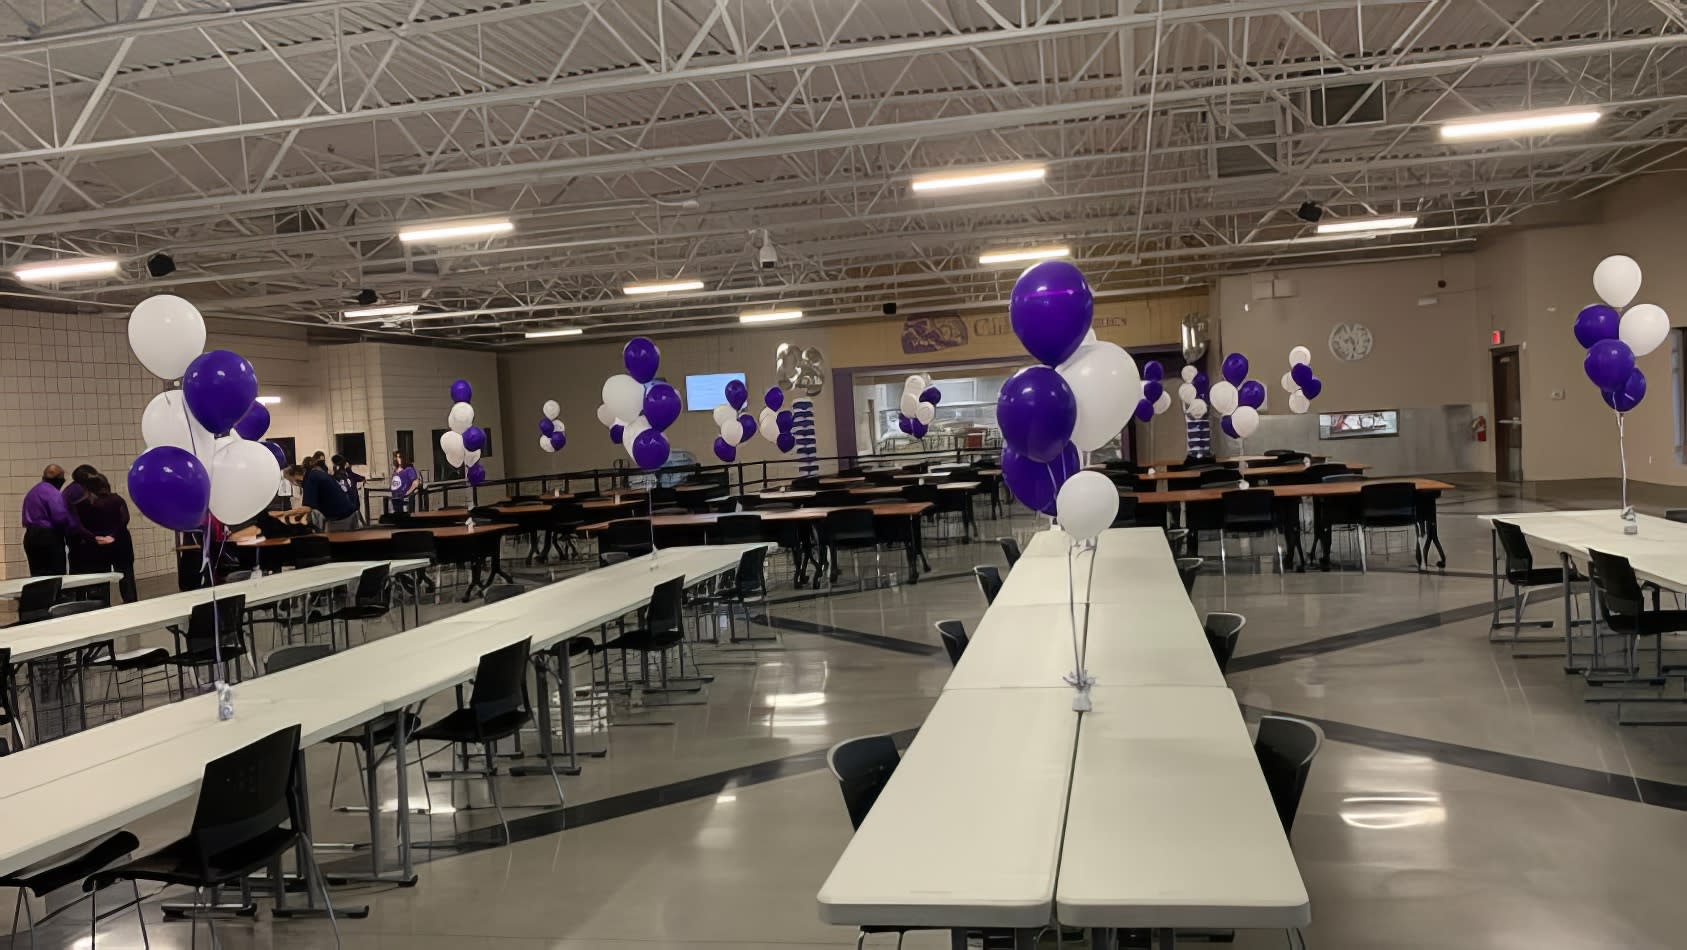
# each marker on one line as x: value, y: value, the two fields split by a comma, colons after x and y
x: 843, y: 479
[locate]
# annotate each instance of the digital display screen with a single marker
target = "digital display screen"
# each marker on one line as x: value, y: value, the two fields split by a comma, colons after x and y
x: 703, y: 393
x: 1373, y: 423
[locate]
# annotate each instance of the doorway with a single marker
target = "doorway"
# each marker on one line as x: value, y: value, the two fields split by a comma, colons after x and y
x: 1508, y: 415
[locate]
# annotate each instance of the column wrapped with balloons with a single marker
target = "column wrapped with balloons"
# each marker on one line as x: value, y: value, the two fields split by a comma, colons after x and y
x: 1614, y: 335
x: 1299, y: 382
x: 1193, y: 392
x: 552, y: 434
x: 463, y: 442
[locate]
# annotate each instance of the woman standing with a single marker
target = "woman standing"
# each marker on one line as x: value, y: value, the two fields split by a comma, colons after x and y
x: 405, y: 483
x: 105, y: 515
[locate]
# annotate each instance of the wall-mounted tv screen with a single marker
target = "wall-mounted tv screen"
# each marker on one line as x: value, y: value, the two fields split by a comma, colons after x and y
x: 703, y: 393
x: 1358, y: 425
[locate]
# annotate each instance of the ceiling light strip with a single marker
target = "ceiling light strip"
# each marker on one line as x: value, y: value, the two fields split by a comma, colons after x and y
x: 395, y: 310
x: 661, y: 287
x: 978, y: 178
x: 545, y: 334
x: 1359, y: 225
x: 466, y: 230
x: 1027, y: 254
x: 770, y: 316
x: 1523, y: 123
x: 67, y: 270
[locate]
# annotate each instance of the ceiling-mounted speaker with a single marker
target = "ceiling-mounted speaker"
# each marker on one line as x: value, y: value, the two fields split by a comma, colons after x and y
x: 890, y: 309
x: 365, y: 297
x: 1310, y: 211
x: 160, y: 265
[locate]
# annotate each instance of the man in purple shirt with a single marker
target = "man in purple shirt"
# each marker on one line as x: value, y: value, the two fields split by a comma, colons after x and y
x: 46, y: 521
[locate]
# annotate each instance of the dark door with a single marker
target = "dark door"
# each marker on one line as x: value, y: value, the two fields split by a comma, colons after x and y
x: 1508, y: 416
x: 407, y: 444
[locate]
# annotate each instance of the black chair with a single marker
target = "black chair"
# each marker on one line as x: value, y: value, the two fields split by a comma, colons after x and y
x: 1676, y: 514
x: 850, y: 529
x: 310, y: 550
x: 9, y: 701
x: 1218, y: 478
x: 413, y: 545
x: 660, y: 628
x: 1622, y: 605
x: 863, y: 767
x: 371, y: 600
x: 214, y: 627
x: 36, y: 598
x: 1387, y: 506
x: 834, y: 498
x: 1523, y: 576
x: 1010, y: 550
x: 607, y: 558
x: 1323, y: 470
x: 747, y: 586
x: 1126, y: 515
x: 1187, y: 569
x: 989, y: 582
x: 1248, y: 511
x: 1223, y: 629
x: 565, y: 519
x: 953, y: 633
x: 1285, y: 748
x: 497, y: 709
x: 737, y: 529
x: 630, y: 536
x: 248, y: 816
x: 806, y: 483
x: 61, y: 870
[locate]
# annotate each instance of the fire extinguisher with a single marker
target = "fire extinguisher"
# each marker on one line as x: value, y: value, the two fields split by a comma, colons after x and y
x: 1479, y: 428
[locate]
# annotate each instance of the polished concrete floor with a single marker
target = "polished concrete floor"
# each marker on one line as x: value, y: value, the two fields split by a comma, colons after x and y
x: 1466, y: 797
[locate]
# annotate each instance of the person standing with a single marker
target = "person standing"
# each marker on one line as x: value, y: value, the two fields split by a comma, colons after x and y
x: 105, y: 514
x: 347, y: 479
x: 405, y: 482
x: 85, y: 556
x: 47, y: 524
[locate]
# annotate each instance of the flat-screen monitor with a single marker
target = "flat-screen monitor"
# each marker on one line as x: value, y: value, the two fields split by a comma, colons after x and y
x: 703, y: 393
x: 1373, y: 423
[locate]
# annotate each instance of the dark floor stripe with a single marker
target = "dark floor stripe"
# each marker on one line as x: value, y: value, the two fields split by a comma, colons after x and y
x: 857, y: 637
x: 1357, y: 638
x: 1575, y: 778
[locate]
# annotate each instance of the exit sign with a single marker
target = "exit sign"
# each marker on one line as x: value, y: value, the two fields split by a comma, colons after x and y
x: 1497, y: 337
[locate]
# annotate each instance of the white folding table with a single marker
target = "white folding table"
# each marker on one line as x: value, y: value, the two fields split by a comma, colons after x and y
x: 12, y: 587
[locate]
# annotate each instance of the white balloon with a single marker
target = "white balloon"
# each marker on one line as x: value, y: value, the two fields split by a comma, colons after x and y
x: 1163, y: 403
x: 1223, y: 397
x: 545, y: 444
x: 1186, y: 393
x: 166, y: 333
x: 1299, y: 355
x: 166, y: 421
x: 1298, y: 403
x: 1187, y: 374
x: 470, y: 458
x: 1244, y: 420
x: 925, y: 412
x: 1288, y: 383
x: 560, y: 427
x: 1086, y: 505
x: 1617, y: 280
x: 551, y: 409
x: 1107, y: 385
x: 1198, y: 409
x: 243, y: 479
x: 731, y: 431
x: 451, y: 443
x: 1090, y: 337
x: 723, y: 412
x: 605, y: 415
x: 460, y: 417
x: 910, y: 404
x: 768, y: 425
x: 914, y: 384
x: 1644, y: 328
x: 624, y: 395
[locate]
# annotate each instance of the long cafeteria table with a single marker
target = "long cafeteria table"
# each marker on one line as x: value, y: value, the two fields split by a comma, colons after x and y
x: 454, y: 544
x: 1104, y: 819
x: 12, y: 587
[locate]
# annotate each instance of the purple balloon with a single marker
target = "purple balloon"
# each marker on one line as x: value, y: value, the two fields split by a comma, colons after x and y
x: 724, y: 450
x: 1235, y: 368
x: 774, y: 397
x: 219, y: 388
x: 474, y: 438
x: 1228, y: 427
x: 650, y: 449
x: 1301, y: 373
x: 931, y: 395
x: 905, y: 424
x: 171, y: 486
x: 785, y: 442
x: 785, y: 420
x: 461, y: 391
x: 1596, y: 322
x: 254, y: 423
x: 1201, y: 384
x: 1312, y: 388
x: 1608, y: 364
x: 476, y: 473
x: 661, y: 406
x: 615, y: 433
x: 1051, y: 310
x: 917, y: 429
x: 737, y: 394
x: 1152, y: 390
x: 559, y: 439
x: 1036, y: 411
x: 1251, y: 393
x: 1629, y: 394
x: 747, y: 424
x: 641, y: 358
x: 1035, y: 484
x: 1144, y: 411
x: 546, y: 426
x: 275, y: 450
x: 1153, y: 370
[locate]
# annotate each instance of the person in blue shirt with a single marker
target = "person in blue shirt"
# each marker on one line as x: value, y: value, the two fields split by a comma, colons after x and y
x: 322, y: 500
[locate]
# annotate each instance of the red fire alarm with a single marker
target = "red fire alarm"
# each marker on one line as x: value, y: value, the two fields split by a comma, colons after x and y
x: 1498, y: 337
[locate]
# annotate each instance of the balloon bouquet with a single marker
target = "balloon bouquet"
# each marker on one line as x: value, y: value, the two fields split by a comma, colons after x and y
x: 1154, y: 400
x: 918, y: 405
x: 463, y: 441
x: 552, y: 434
x: 203, y: 460
x: 778, y: 424
x: 1076, y: 400
x: 1237, y: 398
x: 1299, y: 383
x: 736, y: 425
x: 1613, y: 337
x: 639, y: 415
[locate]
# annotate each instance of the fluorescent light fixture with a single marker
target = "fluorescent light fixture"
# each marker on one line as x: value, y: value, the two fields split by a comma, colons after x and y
x: 67, y: 270
x: 661, y: 287
x: 770, y: 316
x: 395, y: 310
x: 542, y: 334
x: 270, y: 400
x: 1029, y: 254
x: 1521, y: 123
x: 1357, y: 225
x: 979, y: 178
x: 464, y: 230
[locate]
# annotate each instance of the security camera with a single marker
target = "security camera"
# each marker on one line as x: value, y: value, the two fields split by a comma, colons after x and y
x: 768, y: 257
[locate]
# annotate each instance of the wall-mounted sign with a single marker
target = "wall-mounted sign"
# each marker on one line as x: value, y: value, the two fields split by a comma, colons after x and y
x: 799, y: 369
